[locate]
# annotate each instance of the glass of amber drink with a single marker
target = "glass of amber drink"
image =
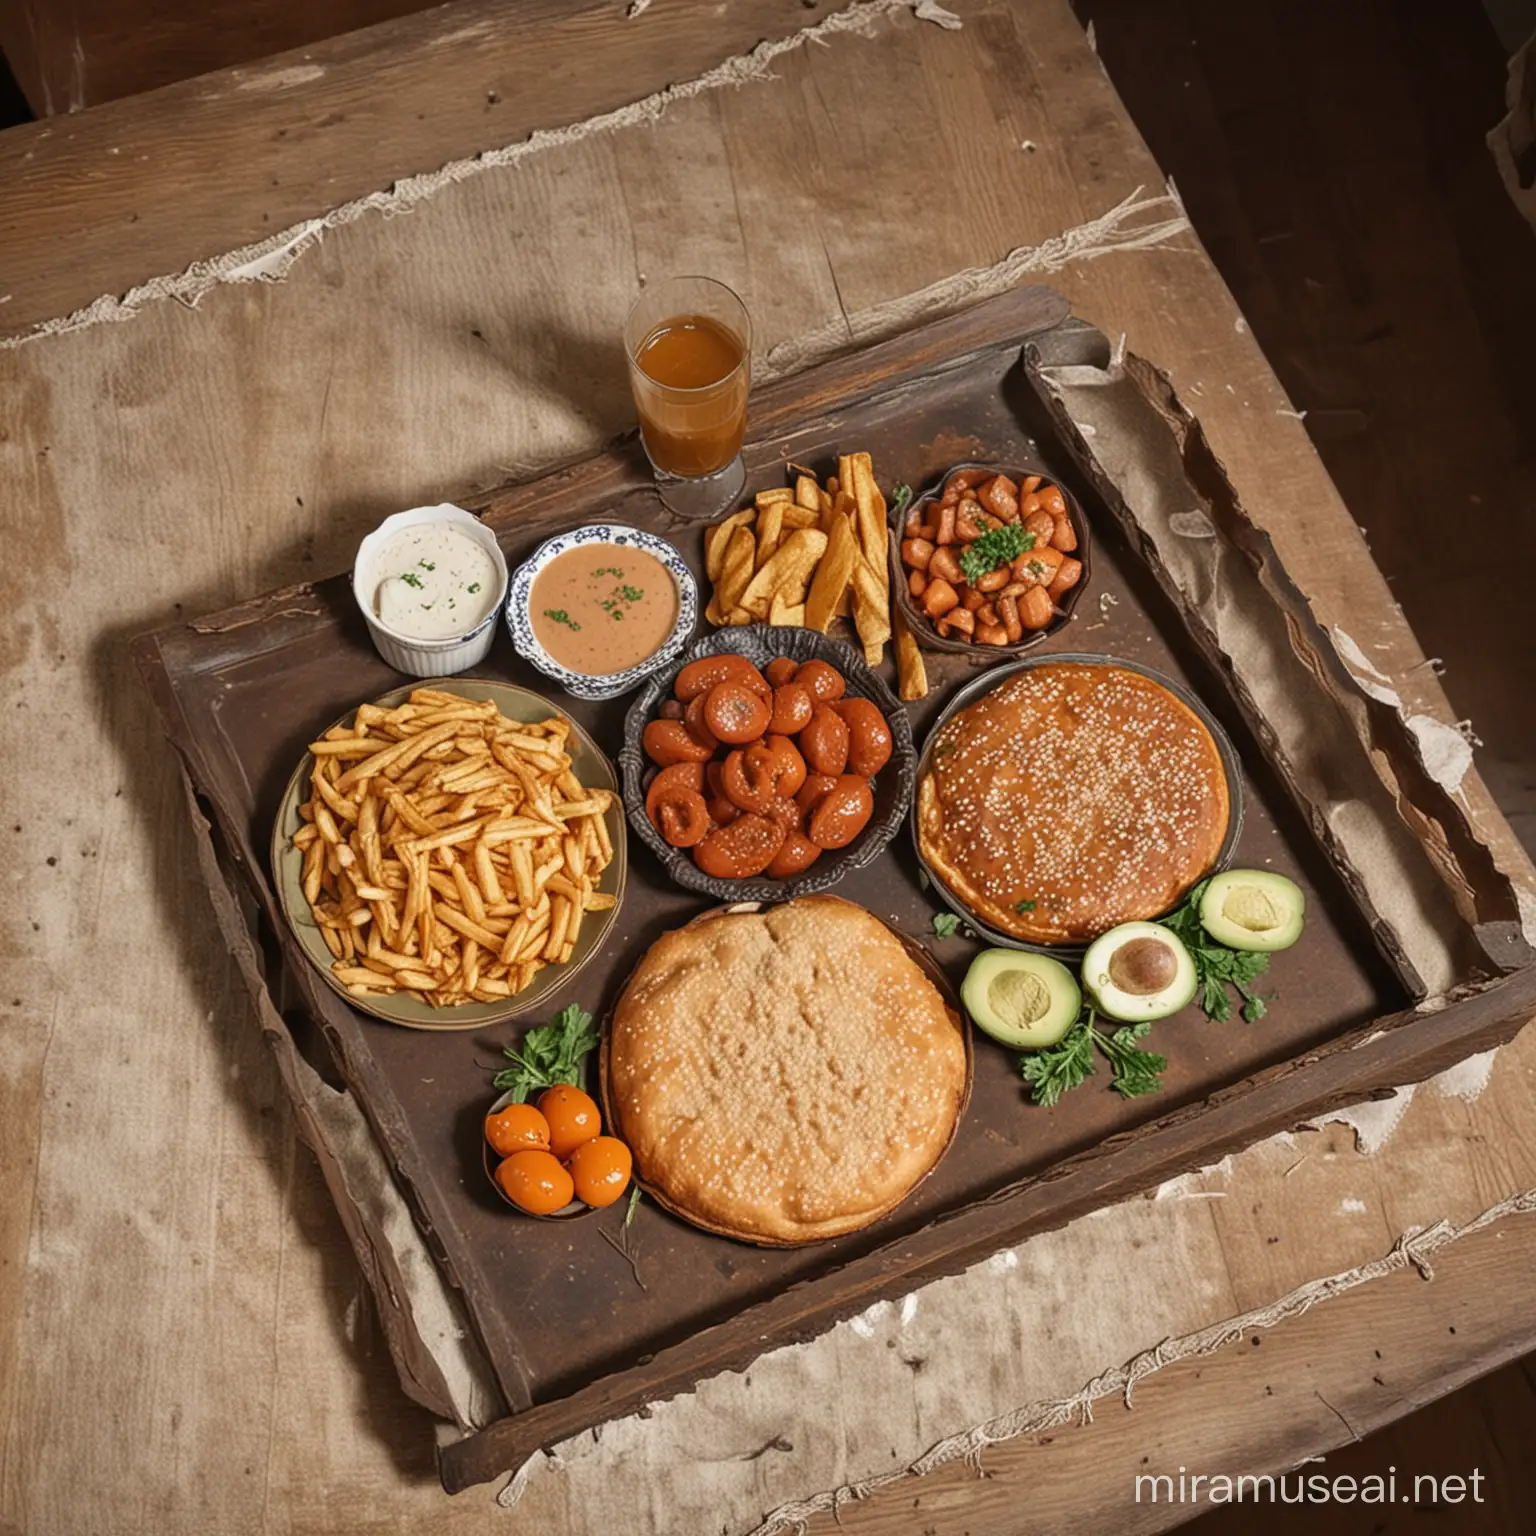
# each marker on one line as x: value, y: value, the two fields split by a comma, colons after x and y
x: 689, y: 342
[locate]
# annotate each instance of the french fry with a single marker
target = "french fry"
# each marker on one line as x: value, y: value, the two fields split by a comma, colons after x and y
x: 718, y: 538
x: 807, y: 492
x: 787, y: 572
x: 737, y: 573
x: 911, y: 674
x: 768, y: 498
x: 832, y: 577
x: 801, y: 517
x: 770, y: 529
x: 780, y: 612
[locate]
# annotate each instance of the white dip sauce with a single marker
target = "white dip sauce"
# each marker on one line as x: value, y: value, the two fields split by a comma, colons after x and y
x: 434, y: 582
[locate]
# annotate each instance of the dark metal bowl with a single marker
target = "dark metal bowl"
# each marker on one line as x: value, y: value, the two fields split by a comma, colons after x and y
x: 919, y: 622
x: 760, y: 643
x: 985, y: 684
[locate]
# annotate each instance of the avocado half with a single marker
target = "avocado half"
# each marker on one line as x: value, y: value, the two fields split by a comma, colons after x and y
x: 1253, y: 909
x: 1023, y: 1000
x: 1138, y: 971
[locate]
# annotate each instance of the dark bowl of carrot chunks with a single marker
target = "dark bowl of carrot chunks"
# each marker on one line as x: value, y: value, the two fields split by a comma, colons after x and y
x: 989, y: 560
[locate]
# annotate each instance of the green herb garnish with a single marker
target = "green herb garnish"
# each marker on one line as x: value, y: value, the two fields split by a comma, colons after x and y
x: 473, y: 587
x: 634, y: 1200
x: 410, y: 578
x: 946, y: 924
x: 1217, y: 965
x: 426, y: 565
x: 631, y: 594
x: 997, y: 546
x: 1025, y: 906
x: 560, y: 616
x: 551, y: 1054
x: 901, y: 498
x: 1063, y: 1066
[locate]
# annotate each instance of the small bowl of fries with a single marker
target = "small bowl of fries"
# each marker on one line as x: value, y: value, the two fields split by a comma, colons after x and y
x: 448, y: 856
x: 807, y: 555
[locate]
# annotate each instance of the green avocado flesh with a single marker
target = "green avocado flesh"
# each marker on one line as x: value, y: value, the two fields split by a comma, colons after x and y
x: 1253, y: 909
x: 1023, y: 1000
x: 1138, y: 971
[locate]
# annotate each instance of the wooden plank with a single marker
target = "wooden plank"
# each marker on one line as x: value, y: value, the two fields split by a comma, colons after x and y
x: 69, y: 57
x: 1274, y: 1402
x: 143, y: 187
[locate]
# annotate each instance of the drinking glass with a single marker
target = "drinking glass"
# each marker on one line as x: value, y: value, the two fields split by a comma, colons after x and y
x: 689, y: 344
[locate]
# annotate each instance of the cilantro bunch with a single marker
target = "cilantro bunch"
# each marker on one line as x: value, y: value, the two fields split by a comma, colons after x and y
x: 1061, y: 1067
x: 1217, y: 965
x: 997, y: 546
x: 552, y: 1053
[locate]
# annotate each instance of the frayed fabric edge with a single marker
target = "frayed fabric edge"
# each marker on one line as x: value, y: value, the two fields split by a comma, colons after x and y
x: 1414, y: 1249
x: 270, y: 260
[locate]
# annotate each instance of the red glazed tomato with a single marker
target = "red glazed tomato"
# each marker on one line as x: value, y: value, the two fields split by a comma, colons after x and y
x: 535, y: 1182
x: 792, y: 709
x: 668, y: 742
x: 843, y: 813
x: 824, y: 742
x: 823, y: 680
x: 702, y: 675
x: 795, y: 857
x: 741, y: 850
x: 735, y: 714
x: 869, y: 736
x: 600, y: 1170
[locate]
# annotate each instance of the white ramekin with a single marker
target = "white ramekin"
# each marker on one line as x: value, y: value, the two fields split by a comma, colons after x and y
x: 427, y: 658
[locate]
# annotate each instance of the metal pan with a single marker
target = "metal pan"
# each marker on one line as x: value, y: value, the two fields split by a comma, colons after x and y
x: 994, y: 678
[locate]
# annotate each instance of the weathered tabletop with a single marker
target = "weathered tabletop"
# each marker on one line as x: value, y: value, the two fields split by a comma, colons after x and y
x: 183, y: 1341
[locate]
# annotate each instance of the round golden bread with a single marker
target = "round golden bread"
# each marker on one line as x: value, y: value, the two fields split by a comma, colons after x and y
x: 784, y: 1075
x: 1072, y: 798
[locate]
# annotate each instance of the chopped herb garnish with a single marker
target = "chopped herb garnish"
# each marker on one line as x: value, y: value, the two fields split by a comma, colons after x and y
x: 901, y: 498
x: 946, y: 924
x: 997, y: 546
x: 473, y: 587
x: 1217, y: 964
x: 426, y: 565
x: 552, y: 1053
x: 410, y: 578
x: 634, y: 1200
x: 1063, y: 1066
x: 560, y: 616
x: 632, y: 594
x: 1025, y: 906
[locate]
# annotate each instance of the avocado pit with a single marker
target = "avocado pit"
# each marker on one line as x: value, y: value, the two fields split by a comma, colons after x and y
x: 1144, y: 966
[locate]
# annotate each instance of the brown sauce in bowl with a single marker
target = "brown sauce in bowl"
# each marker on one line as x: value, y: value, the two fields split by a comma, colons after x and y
x: 603, y: 608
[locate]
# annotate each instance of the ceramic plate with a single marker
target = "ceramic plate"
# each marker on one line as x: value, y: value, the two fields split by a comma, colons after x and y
x: 581, y: 684
x: 590, y: 766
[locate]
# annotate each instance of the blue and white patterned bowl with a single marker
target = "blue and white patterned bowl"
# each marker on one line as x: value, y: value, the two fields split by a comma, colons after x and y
x: 583, y: 685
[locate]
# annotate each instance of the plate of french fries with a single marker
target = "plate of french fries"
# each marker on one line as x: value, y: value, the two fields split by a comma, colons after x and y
x: 449, y: 855
x: 809, y: 554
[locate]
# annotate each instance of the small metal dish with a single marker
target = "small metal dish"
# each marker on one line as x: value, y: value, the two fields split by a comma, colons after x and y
x: 919, y: 622
x: 977, y: 687
x: 489, y: 1157
x: 760, y: 643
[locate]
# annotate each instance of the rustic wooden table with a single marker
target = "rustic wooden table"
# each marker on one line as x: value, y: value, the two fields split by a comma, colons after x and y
x: 184, y: 1344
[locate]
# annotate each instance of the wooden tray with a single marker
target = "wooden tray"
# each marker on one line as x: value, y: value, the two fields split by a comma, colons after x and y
x: 570, y: 1335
